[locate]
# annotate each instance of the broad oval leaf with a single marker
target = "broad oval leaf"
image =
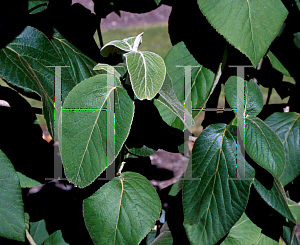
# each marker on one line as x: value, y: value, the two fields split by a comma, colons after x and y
x: 27, y: 67
x: 84, y: 128
x: 147, y: 73
x: 249, y: 25
x: 12, y: 217
x: 215, y: 200
x: 122, y: 211
x: 244, y: 96
x: 287, y: 127
x: 264, y: 146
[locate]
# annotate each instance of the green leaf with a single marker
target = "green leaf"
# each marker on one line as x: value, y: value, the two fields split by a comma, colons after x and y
x: 118, y: 46
x: 26, y: 67
x: 151, y: 236
x: 276, y: 64
x: 287, y: 127
x: 84, y: 128
x: 164, y: 237
x: 107, y: 69
x: 144, y: 151
x: 264, y: 146
x: 295, y: 209
x: 237, y: 234
x: 38, y: 231
x: 122, y: 211
x: 12, y: 219
x: 244, y: 96
x: 157, y: 1
x: 297, y: 39
x: 147, y: 73
x: 249, y: 25
x: 169, y: 99
x: 275, y: 197
x: 203, y: 82
x: 214, y: 202
x: 265, y: 240
x: 55, y: 238
x: 288, y: 234
x: 27, y: 182
x: 34, y: 3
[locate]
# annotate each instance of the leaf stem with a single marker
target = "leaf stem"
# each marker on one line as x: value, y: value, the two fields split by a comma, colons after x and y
x: 29, y: 238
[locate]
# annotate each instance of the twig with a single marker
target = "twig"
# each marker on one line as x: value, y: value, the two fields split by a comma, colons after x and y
x: 29, y: 238
x: 120, y: 168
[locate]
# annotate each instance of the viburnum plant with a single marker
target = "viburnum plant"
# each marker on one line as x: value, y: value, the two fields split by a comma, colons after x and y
x: 111, y: 108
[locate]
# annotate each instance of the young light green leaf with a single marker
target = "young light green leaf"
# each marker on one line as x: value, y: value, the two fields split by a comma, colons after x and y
x: 12, y: 219
x: 119, y: 46
x: 107, y: 69
x: 122, y: 211
x: 84, y: 128
x: 213, y: 203
x: 276, y: 64
x: 147, y: 73
x: 237, y: 234
x: 287, y: 127
x: 249, y: 25
x: 264, y: 146
x: 244, y: 96
x: 115, y: 47
x: 137, y: 42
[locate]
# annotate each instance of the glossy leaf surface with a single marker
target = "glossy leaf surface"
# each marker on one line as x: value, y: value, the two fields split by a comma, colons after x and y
x: 213, y: 203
